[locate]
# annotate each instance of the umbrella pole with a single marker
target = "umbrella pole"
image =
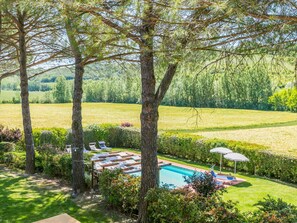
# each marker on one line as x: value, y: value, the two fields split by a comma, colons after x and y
x: 235, y: 168
x: 221, y: 163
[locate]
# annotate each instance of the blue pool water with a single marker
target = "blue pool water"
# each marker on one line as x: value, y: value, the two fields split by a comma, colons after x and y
x: 172, y: 175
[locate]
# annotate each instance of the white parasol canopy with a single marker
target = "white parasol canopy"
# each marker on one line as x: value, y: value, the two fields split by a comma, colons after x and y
x: 236, y: 157
x: 221, y: 150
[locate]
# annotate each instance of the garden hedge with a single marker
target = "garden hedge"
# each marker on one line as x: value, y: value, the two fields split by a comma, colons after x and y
x: 196, y: 148
x: 186, y: 146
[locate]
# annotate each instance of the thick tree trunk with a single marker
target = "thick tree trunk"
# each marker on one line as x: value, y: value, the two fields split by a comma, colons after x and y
x: 30, y: 154
x: 149, y: 130
x: 77, y: 131
x: 78, y: 170
x: 296, y: 73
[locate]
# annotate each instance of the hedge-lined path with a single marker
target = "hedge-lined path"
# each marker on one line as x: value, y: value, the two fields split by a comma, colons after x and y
x: 26, y: 198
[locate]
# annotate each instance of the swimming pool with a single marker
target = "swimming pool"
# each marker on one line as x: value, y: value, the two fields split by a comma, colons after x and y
x: 172, y: 175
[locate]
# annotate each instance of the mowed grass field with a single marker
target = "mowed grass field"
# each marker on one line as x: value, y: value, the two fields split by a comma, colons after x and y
x: 9, y: 95
x: 278, y: 130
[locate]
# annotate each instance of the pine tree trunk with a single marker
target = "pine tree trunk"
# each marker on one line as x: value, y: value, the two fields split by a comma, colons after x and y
x: 296, y: 73
x: 30, y: 154
x: 149, y: 130
x: 78, y: 168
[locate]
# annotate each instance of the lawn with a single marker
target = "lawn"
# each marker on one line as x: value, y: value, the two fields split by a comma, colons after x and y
x: 171, y: 118
x: 277, y: 130
x: 249, y: 192
x: 281, y: 140
x: 27, y: 199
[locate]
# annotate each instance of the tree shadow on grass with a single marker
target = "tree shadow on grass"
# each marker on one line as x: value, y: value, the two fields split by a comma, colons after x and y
x: 243, y: 184
x: 23, y: 201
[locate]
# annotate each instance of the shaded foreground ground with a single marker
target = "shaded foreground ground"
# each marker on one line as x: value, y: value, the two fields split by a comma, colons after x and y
x: 28, y: 199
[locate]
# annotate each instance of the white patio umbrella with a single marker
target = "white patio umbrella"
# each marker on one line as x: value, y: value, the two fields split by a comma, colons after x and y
x: 236, y: 157
x: 221, y: 150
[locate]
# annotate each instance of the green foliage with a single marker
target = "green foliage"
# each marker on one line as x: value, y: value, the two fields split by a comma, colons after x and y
x: 185, y: 206
x: 284, y: 100
x: 95, y: 133
x: 14, y: 159
x: 54, y: 136
x: 202, y: 183
x: 124, y: 137
x: 120, y: 190
x: 10, y: 135
x: 6, y: 147
x: 61, y: 92
x: 274, y: 211
x: 196, y: 148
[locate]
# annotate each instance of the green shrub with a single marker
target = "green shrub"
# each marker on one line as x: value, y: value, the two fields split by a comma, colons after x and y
x: 10, y: 135
x: 15, y: 159
x: 59, y: 165
x: 6, y: 147
x: 284, y: 100
x: 185, y: 206
x: 93, y: 133
x: 54, y: 136
x: 274, y: 211
x: 203, y: 184
x: 292, y: 101
x: 124, y: 137
x: 120, y: 190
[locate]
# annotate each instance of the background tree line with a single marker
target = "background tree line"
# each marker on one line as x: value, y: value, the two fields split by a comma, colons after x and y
x: 237, y: 85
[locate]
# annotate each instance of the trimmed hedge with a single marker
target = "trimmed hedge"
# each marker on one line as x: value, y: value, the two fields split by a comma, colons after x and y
x: 55, y: 136
x: 190, y: 147
x: 196, y: 148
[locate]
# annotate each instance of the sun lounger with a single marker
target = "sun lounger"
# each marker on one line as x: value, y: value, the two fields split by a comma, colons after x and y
x: 103, y: 146
x: 222, y: 177
x: 114, y: 158
x: 92, y: 146
x: 136, y: 157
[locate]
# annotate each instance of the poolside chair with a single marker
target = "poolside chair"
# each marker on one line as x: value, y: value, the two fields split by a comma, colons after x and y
x: 92, y: 146
x: 68, y: 149
x: 222, y: 177
x: 103, y: 146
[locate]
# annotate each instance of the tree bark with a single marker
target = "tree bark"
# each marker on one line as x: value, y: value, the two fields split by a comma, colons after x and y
x: 77, y: 131
x: 30, y: 154
x: 78, y: 170
x: 296, y: 73
x: 149, y: 131
x: 149, y: 113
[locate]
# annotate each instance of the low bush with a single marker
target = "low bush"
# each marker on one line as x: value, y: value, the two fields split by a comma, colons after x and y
x: 284, y: 100
x: 10, y: 135
x: 124, y: 137
x: 53, y: 136
x: 14, y: 159
x: 274, y: 211
x: 95, y: 133
x: 203, y: 183
x: 6, y: 147
x: 120, y: 190
x: 185, y: 206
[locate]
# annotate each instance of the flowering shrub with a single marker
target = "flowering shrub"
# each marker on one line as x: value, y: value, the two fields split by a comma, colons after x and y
x: 203, y: 183
x: 126, y: 124
x: 10, y: 135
